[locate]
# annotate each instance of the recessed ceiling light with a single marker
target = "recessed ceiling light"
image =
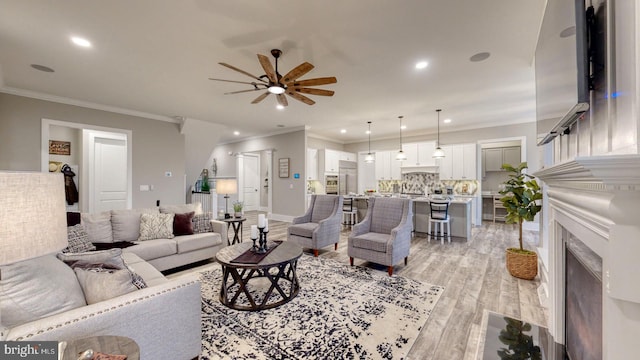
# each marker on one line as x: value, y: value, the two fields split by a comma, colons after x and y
x: 403, y: 127
x: 421, y: 65
x: 236, y: 133
x: 279, y: 107
x: 343, y: 131
x: 481, y: 56
x: 42, y: 68
x: 368, y: 132
x: 80, y: 41
x: 446, y: 121
x: 570, y: 31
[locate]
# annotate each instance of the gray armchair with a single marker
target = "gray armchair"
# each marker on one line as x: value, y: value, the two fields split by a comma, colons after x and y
x: 320, y: 225
x: 384, y: 236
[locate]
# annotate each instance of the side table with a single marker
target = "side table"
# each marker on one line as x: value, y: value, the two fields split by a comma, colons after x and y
x: 106, y: 344
x: 236, y: 224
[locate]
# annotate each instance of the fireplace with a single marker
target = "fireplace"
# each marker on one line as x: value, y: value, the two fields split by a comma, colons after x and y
x: 583, y: 301
x: 592, y: 266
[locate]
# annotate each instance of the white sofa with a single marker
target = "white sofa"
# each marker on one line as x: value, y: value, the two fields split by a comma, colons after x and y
x: 163, y: 319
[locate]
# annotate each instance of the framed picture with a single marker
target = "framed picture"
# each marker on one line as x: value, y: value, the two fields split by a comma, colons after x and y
x: 57, y: 147
x: 283, y: 167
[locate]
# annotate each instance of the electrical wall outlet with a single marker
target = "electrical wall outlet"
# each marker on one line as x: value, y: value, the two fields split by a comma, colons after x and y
x: 144, y: 187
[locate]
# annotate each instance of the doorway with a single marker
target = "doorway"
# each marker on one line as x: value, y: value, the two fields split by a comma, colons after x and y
x: 104, y: 164
x: 251, y: 182
x: 254, y: 171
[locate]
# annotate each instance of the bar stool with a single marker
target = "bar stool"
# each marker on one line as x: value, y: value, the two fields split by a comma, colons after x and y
x: 349, y: 213
x: 439, y: 216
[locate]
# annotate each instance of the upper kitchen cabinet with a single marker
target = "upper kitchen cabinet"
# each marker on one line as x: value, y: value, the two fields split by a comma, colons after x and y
x: 329, y: 160
x: 312, y: 164
x: 419, y: 154
x: 493, y: 158
x: 387, y: 167
x: 459, y: 162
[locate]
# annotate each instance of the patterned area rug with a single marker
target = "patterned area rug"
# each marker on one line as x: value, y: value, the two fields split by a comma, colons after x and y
x: 341, y: 312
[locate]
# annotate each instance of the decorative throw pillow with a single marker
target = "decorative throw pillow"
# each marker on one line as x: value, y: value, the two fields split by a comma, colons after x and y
x: 126, y: 223
x: 37, y: 288
x: 181, y: 209
x: 78, y: 240
x: 99, y: 284
x: 156, y: 226
x: 202, y: 223
x: 98, y: 227
x: 182, y: 224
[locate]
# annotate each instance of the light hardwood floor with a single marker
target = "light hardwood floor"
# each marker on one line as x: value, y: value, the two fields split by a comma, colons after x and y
x: 473, y: 274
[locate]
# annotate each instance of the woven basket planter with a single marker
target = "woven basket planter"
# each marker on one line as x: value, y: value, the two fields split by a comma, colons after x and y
x: 522, y: 266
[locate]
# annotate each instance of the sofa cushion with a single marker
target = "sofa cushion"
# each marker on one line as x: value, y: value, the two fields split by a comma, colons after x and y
x: 371, y: 241
x: 98, y: 227
x: 156, y: 226
x: 78, y: 240
x: 37, y: 288
x: 193, y: 242
x: 202, y: 223
x: 149, y: 250
x: 304, y: 229
x: 323, y: 207
x: 181, y: 209
x: 99, y: 284
x: 150, y: 274
x: 386, y: 215
x: 126, y: 223
x: 183, y: 224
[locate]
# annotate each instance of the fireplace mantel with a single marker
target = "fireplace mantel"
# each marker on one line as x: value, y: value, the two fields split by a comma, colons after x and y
x: 597, y: 199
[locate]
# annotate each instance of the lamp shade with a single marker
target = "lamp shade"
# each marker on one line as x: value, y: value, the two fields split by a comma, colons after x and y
x: 32, y: 215
x: 439, y: 153
x: 226, y: 186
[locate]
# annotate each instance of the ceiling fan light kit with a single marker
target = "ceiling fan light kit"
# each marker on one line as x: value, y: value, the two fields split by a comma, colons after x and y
x: 401, y: 155
x: 277, y: 84
x: 439, y: 153
x: 369, y: 157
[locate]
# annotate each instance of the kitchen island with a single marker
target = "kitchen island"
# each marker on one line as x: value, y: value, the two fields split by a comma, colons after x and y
x: 459, y: 215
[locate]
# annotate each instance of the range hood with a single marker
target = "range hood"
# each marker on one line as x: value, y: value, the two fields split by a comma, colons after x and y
x: 417, y: 169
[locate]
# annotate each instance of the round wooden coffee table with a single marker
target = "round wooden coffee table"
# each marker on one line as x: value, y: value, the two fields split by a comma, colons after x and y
x: 278, y: 268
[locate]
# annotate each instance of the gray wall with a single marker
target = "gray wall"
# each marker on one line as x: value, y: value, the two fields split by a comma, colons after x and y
x: 288, y: 193
x: 316, y: 143
x: 157, y: 146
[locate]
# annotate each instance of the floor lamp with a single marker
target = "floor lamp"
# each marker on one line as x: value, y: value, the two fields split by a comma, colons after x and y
x: 33, y: 216
x: 226, y: 187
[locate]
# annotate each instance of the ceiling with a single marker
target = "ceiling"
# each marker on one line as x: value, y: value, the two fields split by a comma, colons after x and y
x: 154, y: 57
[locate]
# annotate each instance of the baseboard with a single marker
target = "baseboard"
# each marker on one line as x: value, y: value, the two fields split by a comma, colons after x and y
x: 280, y: 217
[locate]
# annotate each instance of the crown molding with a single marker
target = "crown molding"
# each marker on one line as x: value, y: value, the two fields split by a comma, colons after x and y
x: 86, y: 104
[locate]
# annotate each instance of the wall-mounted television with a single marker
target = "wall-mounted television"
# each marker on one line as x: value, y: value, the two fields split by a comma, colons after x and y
x: 562, y: 67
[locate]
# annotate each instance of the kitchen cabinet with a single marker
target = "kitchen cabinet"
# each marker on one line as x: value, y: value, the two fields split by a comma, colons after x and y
x: 459, y: 162
x: 387, y: 167
x: 329, y: 160
x: 419, y: 154
x: 312, y: 164
x: 347, y: 156
x: 494, y: 157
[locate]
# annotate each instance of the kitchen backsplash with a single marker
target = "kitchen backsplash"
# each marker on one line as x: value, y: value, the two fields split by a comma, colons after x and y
x: 415, y: 183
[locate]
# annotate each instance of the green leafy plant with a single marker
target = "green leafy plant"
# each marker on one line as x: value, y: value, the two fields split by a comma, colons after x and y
x: 520, y: 345
x: 237, y: 206
x: 521, y: 198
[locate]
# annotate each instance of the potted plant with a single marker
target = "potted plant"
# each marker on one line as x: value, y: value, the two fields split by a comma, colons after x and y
x: 521, y: 198
x: 237, y: 208
x: 520, y: 345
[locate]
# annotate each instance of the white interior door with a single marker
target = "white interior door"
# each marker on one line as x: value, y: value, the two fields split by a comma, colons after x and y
x: 108, y: 185
x: 251, y: 182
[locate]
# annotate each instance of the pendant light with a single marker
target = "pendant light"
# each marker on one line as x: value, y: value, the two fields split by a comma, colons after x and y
x: 439, y: 153
x: 401, y: 155
x: 369, y: 158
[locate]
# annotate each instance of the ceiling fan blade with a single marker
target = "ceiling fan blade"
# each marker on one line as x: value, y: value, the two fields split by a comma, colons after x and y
x: 239, y: 82
x: 300, y: 97
x: 261, y: 97
x: 315, y: 91
x: 282, y: 100
x: 296, y: 72
x: 313, y: 82
x: 241, y: 91
x: 242, y: 71
x: 268, y: 68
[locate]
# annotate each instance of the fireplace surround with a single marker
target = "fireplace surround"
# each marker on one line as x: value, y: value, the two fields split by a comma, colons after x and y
x: 596, y: 200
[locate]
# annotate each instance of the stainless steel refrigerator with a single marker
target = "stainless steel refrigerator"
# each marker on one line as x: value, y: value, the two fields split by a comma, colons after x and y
x: 347, y: 177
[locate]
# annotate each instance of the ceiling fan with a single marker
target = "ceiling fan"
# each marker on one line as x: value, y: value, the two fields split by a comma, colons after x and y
x: 277, y: 84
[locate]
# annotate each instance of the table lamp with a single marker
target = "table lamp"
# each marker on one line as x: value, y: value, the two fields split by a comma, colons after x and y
x: 226, y: 187
x: 33, y: 216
